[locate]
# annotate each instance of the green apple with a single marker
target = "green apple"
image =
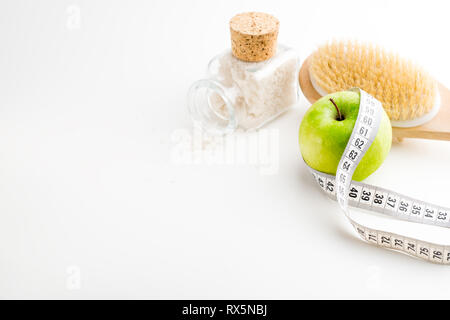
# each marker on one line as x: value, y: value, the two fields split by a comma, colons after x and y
x: 323, y: 135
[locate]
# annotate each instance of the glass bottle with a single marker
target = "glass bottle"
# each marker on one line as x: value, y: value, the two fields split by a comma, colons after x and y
x: 247, y: 95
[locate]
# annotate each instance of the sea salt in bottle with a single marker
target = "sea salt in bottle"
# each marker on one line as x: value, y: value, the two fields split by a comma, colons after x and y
x: 249, y: 85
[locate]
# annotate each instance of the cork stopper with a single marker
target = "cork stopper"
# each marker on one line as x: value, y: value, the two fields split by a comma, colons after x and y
x: 254, y: 36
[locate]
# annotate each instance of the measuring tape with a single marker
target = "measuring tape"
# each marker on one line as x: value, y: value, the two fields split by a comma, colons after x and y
x: 376, y: 199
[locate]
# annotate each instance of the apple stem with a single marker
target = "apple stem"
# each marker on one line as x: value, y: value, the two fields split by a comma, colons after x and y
x: 337, y: 109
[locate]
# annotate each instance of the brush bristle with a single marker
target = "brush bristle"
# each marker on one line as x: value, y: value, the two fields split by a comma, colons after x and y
x: 406, y: 91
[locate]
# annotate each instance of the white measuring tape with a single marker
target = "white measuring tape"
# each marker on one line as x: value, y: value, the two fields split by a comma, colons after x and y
x: 365, y: 196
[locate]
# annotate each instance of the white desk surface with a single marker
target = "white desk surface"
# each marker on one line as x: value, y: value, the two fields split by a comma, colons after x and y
x: 96, y: 200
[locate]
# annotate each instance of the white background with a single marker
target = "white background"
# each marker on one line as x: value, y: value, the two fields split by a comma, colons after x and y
x: 94, y: 204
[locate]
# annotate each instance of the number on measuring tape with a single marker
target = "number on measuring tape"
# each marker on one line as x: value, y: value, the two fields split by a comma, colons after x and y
x: 430, y: 213
x: 446, y: 258
x: 364, y: 130
x: 370, y: 101
x: 347, y: 165
x: 397, y: 242
x: 417, y: 210
x: 343, y: 177
x: 404, y: 207
x: 321, y: 181
x: 392, y: 202
x: 359, y: 142
x: 410, y: 246
x: 423, y: 251
x: 379, y: 199
x: 442, y: 216
x: 361, y: 232
x: 368, y: 120
x: 384, y: 240
x: 370, y: 110
x: 367, y: 196
x: 436, y: 254
x: 353, y: 153
x: 354, y: 193
x: 330, y: 187
x: 371, y: 236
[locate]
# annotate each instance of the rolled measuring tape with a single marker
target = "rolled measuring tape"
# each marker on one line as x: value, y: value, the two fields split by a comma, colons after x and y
x: 380, y: 200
